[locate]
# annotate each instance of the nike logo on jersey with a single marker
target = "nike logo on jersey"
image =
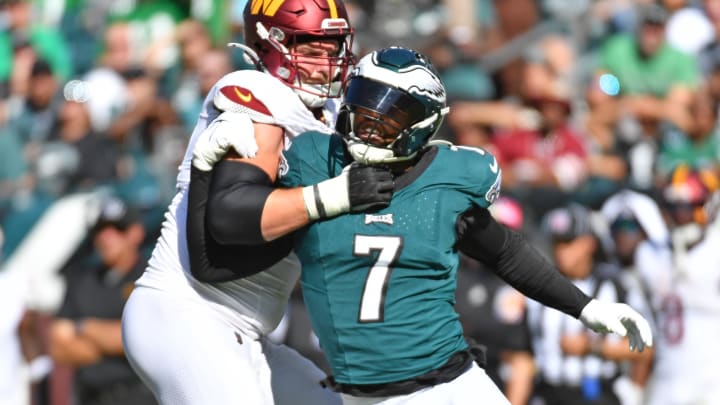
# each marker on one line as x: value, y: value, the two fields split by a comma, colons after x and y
x: 239, y: 99
x: 384, y: 218
x: 494, y: 165
x: 244, y: 97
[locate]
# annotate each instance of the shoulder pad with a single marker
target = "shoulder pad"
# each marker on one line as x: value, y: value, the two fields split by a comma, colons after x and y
x: 478, y: 171
x: 238, y: 99
x: 266, y: 99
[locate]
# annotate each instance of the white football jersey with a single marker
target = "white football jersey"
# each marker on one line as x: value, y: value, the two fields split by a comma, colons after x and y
x: 685, y: 295
x: 253, y: 304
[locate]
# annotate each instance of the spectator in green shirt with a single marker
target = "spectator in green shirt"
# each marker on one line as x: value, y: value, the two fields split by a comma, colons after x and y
x: 642, y: 78
x: 645, y: 64
x: 21, y: 31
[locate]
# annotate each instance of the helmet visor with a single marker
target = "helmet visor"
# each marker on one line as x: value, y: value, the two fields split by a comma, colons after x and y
x: 387, y: 101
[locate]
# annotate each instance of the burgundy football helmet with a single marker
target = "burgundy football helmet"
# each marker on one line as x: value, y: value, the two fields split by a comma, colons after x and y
x: 691, y: 195
x: 272, y: 27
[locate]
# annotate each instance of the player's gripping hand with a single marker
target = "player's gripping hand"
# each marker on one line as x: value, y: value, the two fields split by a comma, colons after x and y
x: 228, y: 130
x: 358, y: 188
x: 604, y: 317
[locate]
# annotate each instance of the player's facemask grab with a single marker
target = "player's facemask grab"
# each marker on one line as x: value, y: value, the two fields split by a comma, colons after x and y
x: 280, y: 40
x: 394, y: 103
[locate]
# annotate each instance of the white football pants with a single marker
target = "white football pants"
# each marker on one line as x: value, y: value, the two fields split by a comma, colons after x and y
x: 187, y: 355
x: 470, y: 388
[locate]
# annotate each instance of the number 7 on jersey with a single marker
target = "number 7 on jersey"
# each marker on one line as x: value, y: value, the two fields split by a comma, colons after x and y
x: 372, y: 302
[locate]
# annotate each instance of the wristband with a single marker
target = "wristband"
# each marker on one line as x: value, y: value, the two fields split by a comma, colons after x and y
x: 312, y: 205
x: 327, y: 198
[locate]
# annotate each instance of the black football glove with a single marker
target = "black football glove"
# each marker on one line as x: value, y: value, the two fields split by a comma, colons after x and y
x: 358, y: 188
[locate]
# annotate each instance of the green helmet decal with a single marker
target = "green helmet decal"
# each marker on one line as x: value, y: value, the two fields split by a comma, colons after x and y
x: 409, y: 71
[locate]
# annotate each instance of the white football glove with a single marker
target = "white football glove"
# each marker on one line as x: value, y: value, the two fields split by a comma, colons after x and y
x: 357, y: 188
x: 228, y: 130
x: 604, y: 317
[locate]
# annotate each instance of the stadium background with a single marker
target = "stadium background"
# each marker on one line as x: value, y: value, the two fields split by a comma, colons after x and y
x: 540, y: 83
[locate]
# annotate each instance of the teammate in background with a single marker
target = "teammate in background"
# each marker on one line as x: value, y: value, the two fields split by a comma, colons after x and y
x: 380, y: 286
x: 684, y: 281
x: 197, y: 336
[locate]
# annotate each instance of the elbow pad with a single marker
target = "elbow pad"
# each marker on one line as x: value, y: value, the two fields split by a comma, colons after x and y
x: 211, y: 261
x: 480, y: 236
x: 236, y: 199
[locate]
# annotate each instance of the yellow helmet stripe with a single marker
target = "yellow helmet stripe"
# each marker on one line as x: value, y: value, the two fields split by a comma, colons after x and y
x: 333, y: 9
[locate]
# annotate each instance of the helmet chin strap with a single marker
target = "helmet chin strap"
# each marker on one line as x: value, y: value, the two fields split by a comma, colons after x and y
x: 309, y: 99
x: 318, y: 94
x: 369, y: 154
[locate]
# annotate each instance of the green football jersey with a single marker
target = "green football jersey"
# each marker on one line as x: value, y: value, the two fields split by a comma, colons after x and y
x: 380, y: 286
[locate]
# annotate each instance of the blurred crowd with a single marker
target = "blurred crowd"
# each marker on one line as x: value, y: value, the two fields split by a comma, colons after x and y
x: 602, y: 114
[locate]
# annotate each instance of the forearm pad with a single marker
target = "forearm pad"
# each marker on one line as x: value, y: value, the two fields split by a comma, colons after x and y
x: 211, y: 261
x: 517, y: 262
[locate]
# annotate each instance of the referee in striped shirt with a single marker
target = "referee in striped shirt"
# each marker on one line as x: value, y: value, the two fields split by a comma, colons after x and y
x: 575, y: 365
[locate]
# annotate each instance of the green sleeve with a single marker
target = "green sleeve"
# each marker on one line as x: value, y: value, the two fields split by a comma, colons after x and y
x: 480, y: 175
x: 296, y: 159
x: 312, y: 157
x: 293, y: 176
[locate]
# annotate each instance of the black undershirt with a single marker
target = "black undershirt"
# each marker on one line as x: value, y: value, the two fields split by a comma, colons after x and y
x: 517, y: 262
